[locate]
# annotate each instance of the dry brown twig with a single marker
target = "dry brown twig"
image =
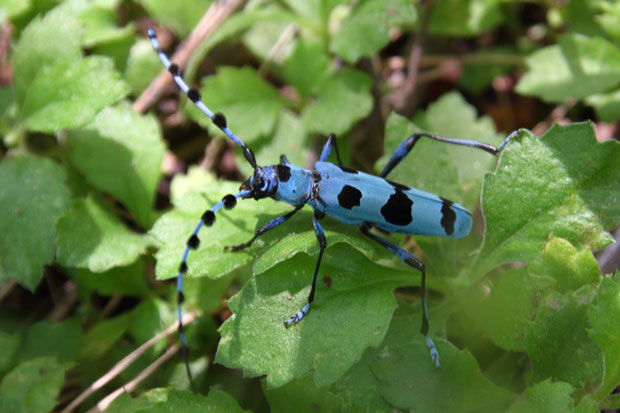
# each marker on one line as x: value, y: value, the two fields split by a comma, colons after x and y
x: 217, y: 13
x: 401, y: 100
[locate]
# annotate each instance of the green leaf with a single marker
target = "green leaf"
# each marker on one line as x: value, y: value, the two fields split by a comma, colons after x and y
x: 103, y: 336
x: 142, y: 66
x: 251, y: 105
x: 557, y: 342
x: 169, y: 400
x: 307, y: 396
x: 42, y: 43
x: 606, y: 105
x: 32, y: 198
x: 261, y: 37
x: 578, y: 66
x: 545, y: 397
x: 232, y: 27
x: 569, y: 268
x: 120, y: 152
x: 195, y: 180
x: 100, y: 26
x: 300, y: 237
x: 608, y: 18
x: 371, y: 21
x: 408, y: 379
x: 611, y: 402
x: 117, y: 47
x: 512, y: 305
x: 316, y: 12
x: 603, y: 314
x: 580, y: 16
x: 13, y: 8
x: 484, y: 66
x: 230, y: 228
x: 9, y: 344
x: 464, y: 17
x: 91, y: 236
x: 182, y: 15
x: 46, y: 338
x: 587, y: 406
x: 359, y: 388
x: 148, y: 318
x: 205, y: 293
x: 344, y: 98
x: 564, y: 183
x: 306, y: 67
x: 290, y: 138
x: 348, y: 315
x: 128, y: 280
x: 7, y: 98
x: 32, y: 386
x: 69, y: 93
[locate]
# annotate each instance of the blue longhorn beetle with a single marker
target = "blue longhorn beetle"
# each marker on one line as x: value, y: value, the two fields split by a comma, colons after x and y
x: 347, y: 195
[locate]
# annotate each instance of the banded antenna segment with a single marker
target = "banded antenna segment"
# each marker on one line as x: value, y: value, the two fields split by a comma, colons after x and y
x: 193, y: 94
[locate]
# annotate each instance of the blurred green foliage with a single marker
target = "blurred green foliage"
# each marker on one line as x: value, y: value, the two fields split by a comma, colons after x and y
x: 521, y: 314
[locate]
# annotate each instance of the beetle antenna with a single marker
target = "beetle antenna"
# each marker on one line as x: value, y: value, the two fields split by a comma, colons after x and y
x: 193, y: 94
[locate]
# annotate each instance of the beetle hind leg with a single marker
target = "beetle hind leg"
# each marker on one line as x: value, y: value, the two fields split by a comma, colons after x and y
x: 411, y: 260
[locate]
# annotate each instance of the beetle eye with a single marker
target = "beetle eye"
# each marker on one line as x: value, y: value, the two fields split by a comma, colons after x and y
x: 265, y: 185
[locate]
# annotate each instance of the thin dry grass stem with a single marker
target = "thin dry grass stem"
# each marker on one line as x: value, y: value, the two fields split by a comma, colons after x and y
x: 6, y: 287
x: 480, y: 59
x: 609, y: 258
x: 111, y: 305
x: 285, y: 38
x: 125, y: 362
x: 402, y: 100
x: 217, y: 13
x: 65, y: 303
x: 133, y: 384
x: 557, y: 116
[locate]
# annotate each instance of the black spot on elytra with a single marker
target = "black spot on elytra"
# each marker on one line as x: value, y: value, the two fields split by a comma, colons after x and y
x: 181, y: 298
x: 349, y: 197
x: 284, y: 173
x: 193, y: 94
x: 448, y: 216
x: 399, y: 187
x: 220, y: 120
x: 349, y: 170
x: 397, y: 210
